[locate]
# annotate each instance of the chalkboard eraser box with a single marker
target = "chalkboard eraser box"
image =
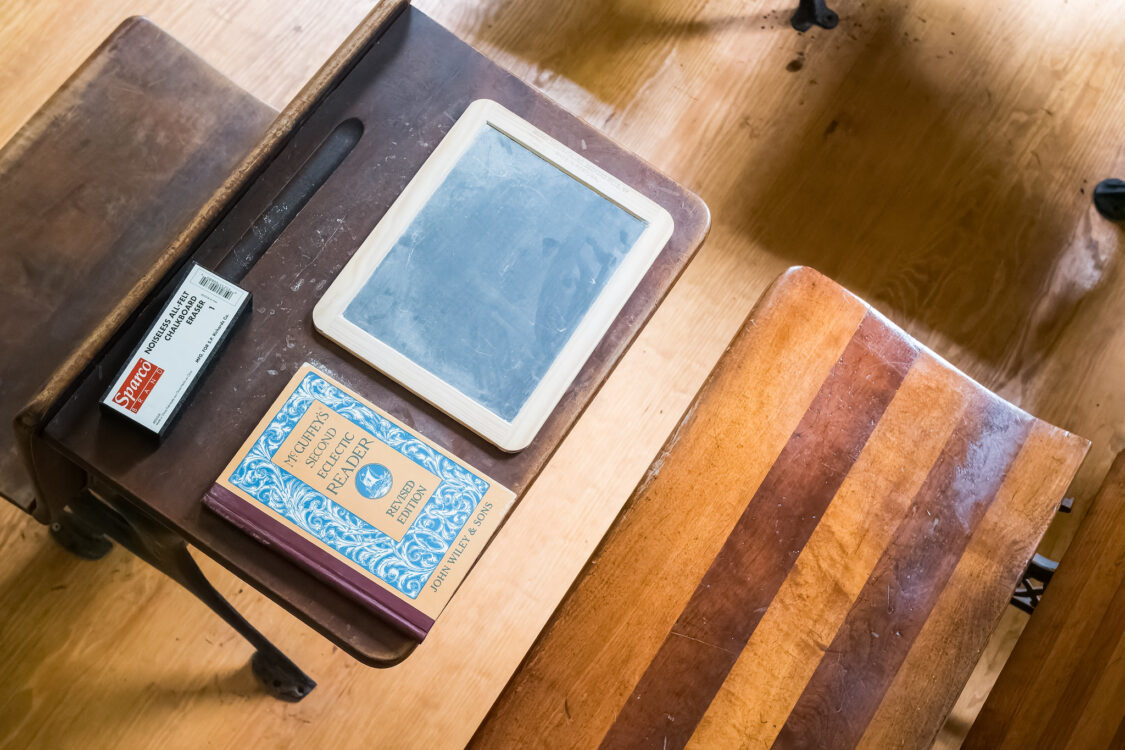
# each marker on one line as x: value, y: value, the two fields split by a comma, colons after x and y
x: 176, y: 351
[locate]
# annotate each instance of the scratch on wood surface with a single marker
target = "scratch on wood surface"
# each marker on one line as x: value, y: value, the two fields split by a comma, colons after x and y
x: 705, y: 643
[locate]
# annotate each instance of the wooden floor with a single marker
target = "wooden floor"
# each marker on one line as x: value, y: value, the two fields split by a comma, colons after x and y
x: 935, y: 156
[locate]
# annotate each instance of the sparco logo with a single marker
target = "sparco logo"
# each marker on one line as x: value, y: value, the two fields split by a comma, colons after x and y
x: 138, y: 385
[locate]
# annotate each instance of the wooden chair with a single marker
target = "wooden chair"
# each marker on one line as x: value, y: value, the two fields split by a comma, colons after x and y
x: 816, y: 558
x: 1064, y: 684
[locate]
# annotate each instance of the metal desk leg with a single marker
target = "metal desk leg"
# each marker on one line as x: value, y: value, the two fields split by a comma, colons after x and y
x: 1109, y: 199
x: 814, y: 12
x: 1033, y: 583
x: 1038, y: 574
x: 91, y: 514
x: 79, y: 539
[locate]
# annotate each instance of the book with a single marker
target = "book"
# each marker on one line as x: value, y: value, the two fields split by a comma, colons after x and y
x: 361, y: 500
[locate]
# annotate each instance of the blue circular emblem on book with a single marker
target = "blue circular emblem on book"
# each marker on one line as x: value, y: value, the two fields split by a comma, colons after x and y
x: 373, y: 481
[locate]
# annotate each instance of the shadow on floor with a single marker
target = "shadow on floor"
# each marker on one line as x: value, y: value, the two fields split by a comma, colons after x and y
x: 943, y: 210
x: 583, y: 40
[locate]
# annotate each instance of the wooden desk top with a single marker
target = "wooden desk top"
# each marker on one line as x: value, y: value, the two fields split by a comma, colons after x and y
x: 815, y: 559
x: 1064, y: 684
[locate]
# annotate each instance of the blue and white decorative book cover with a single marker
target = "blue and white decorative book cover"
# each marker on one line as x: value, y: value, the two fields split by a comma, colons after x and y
x: 348, y: 490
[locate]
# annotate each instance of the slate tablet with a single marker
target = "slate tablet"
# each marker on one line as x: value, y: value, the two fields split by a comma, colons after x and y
x: 494, y: 275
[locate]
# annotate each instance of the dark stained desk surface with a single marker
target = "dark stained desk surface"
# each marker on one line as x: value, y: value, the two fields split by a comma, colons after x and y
x: 407, y: 90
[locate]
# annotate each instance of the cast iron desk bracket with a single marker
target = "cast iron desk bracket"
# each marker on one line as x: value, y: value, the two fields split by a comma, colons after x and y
x: 97, y: 513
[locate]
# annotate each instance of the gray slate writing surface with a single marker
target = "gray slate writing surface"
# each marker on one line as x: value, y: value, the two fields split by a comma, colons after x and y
x: 493, y: 275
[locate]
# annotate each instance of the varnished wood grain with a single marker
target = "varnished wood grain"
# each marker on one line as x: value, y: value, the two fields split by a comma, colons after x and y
x: 883, y: 623
x: 987, y: 492
x: 975, y: 124
x: 751, y: 705
x: 709, y: 634
x: 270, y: 49
x: 984, y: 574
x: 617, y: 634
x: 1064, y: 686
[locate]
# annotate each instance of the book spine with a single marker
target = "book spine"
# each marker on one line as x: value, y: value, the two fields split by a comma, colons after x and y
x: 351, y: 583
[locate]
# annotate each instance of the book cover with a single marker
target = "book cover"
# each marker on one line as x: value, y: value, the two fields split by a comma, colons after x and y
x: 361, y: 500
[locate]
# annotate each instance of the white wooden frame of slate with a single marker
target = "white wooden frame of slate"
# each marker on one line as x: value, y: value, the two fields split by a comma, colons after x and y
x: 514, y: 435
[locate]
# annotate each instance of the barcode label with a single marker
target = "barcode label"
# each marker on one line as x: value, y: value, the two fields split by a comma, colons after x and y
x: 183, y: 339
x: 211, y: 285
